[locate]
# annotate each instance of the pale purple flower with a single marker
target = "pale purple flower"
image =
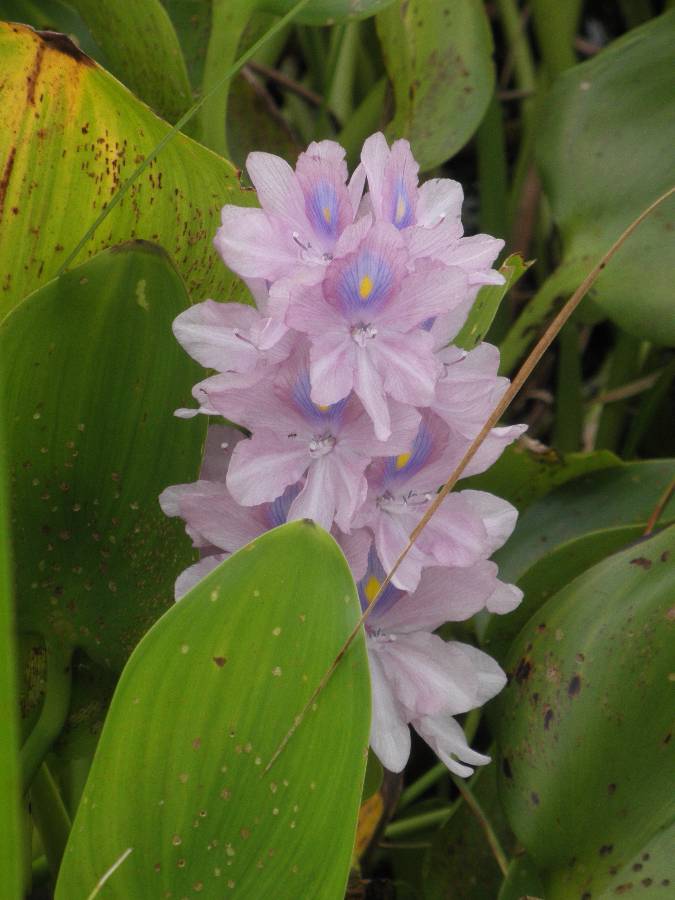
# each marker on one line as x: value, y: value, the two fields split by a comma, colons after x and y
x: 218, y: 525
x: 302, y: 217
x: 467, y: 527
x: 429, y: 216
x: 363, y: 323
x: 416, y: 677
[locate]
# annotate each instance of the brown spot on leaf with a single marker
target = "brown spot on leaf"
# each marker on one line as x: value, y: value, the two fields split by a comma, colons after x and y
x: 534, y: 797
x: 523, y: 670
x: 665, y: 556
x: 574, y: 686
x: 548, y: 718
x: 219, y: 661
x: 611, y: 788
x: 606, y: 849
x: 624, y: 888
x: 641, y: 561
x: 6, y: 175
x: 506, y: 768
x: 32, y: 77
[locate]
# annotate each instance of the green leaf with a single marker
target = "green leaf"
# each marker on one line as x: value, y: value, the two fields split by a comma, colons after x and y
x: 11, y: 850
x: 571, y: 529
x: 325, y: 12
x: 199, y: 710
x: 522, y: 880
x: 439, y: 60
x: 95, y: 376
x: 487, y: 303
x: 142, y: 50
x: 68, y: 141
x: 522, y: 475
x: 617, y: 104
x: 460, y: 863
x: 584, y: 725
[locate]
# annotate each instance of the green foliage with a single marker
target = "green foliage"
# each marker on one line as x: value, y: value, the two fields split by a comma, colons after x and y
x: 585, y: 773
x: 487, y: 303
x: 96, y: 375
x: 617, y: 103
x: 198, y: 713
x: 326, y: 12
x: 604, y: 150
x: 11, y: 849
x: 68, y: 143
x: 571, y: 529
x: 438, y: 57
x: 142, y: 49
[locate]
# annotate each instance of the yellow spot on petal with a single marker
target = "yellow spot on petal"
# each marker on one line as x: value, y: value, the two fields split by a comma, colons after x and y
x: 326, y: 214
x: 402, y: 460
x: 371, y: 588
x: 400, y: 208
x: 365, y: 287
x: 322, y: 407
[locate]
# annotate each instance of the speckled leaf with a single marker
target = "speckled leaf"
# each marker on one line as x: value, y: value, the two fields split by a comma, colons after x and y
x: 487, y: 303
x: 199, y: 710
x: 11, y: 853
x: 605, y: 153
x: 571, y: 529
x: 71, y: 133
x: 438, y: 54
x: 95, y: 376
x: 584, y: 726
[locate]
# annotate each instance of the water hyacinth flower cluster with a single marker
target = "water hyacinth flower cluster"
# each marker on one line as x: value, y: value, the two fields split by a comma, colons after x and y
x: 358, y: 407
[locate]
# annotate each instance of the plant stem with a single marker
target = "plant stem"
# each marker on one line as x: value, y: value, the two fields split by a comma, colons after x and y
x: 569, y: 409
x: 228, y: 21
x: 53, y: 713
x: 623, y: 368
x: 555, y: 24
x: 422, y: 821
x: 484, y: 822
x: 50, y: 816
x: 648, y: 408
x: 492, y: 170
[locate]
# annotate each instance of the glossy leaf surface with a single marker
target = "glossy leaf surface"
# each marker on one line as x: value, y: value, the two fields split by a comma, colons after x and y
x: 439, y: 60
x: 247, y: 646
x: 585, y: 723
x: 71, y: 135
x: 92, y: 440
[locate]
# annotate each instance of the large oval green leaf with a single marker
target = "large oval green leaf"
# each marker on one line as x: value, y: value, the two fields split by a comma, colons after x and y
x: 584, y: 726
x: 94, y: 374
x: 439, y: 60
x: 605, y: 153
x: 199, y: 710
x: 571, y: 529
x: 71, y: 135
